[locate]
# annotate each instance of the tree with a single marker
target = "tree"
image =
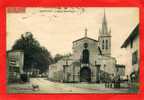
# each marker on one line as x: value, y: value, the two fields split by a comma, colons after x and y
x: 35, y: 56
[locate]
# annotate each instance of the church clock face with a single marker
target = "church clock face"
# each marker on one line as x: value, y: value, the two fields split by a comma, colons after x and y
x: 85, y: 45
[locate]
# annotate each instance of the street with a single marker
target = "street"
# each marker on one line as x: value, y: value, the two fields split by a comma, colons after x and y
x: 46, y: 86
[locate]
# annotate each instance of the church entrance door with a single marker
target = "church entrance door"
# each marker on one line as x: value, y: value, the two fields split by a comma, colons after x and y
x: 85, y: 74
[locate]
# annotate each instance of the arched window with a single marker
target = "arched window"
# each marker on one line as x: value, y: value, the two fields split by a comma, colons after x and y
x: 103, y: 44
x: 106, y: 44
x: 85, y: 58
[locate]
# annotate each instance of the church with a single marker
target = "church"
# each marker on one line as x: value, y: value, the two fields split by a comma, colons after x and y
x: 91, y: 59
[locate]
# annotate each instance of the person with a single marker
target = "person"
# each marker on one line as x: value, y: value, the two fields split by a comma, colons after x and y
x: 118, y: 83
x: 112, y: 81
x: 115, y: 81
x: 105, y: 83
x: 132, y: 76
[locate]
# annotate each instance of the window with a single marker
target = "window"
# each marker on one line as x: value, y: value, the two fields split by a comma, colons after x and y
x: 103, y: 44
x: 106, y: 44
x: 85, y: 45
x: 135, y: 58
x: 85, y: 58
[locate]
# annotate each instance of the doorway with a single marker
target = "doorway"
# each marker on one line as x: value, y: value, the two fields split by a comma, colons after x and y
x: 85, y: 74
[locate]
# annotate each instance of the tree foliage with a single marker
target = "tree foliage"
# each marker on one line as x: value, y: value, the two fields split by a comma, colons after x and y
x: 35, y: 56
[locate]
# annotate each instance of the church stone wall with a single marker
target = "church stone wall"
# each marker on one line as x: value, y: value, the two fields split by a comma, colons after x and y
x: 71, y: 71
x: 56, y: 71
x: 93, y: 73
x: 107, y: 64
x: 78, y: 48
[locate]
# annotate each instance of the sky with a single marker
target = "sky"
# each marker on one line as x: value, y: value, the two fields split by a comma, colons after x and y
x: 57, y: 28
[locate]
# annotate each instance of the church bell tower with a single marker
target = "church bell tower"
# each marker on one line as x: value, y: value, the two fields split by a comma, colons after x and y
x: 105, y: 38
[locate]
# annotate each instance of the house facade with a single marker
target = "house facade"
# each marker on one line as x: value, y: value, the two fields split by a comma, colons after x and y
x: 15, y: 62
x: 131, y: 44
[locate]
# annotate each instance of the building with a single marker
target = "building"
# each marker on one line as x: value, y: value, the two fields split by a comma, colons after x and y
x: 131, y: 44
x: 56, y: 70
x: 91, y: 60
x: 15, y: 62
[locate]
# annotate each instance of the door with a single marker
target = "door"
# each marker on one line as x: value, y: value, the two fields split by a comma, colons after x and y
x: 85, y: 74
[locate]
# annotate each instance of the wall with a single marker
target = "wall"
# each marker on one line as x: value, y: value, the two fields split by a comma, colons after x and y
x: 78, y: 47
x: 129, y: 51
x: 107, y: 64
x: 16, y: 59
x: 15, y: 62
x: 56, y: 71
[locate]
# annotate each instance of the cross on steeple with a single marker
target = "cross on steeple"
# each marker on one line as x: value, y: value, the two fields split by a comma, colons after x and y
x: 86, y: 32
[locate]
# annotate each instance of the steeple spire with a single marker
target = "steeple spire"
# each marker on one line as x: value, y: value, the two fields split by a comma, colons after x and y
x: 104, y: 24
x: 104, y: 17
x: 105, y: 37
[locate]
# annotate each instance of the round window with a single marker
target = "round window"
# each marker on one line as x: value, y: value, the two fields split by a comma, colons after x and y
x: 85, y: 45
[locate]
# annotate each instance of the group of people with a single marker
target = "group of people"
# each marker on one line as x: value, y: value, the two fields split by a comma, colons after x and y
x: 113, y: 82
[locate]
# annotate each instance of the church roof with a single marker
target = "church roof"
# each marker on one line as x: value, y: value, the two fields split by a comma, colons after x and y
x: 131, y: 37
x: 84, y: 38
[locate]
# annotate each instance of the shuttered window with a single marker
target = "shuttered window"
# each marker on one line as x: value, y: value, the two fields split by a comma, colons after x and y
x: 135, y: 57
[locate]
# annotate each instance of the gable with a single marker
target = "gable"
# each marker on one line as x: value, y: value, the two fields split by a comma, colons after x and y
x: 85, y: 38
